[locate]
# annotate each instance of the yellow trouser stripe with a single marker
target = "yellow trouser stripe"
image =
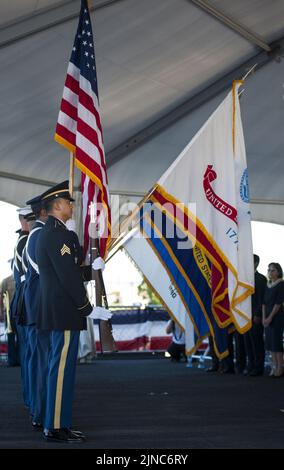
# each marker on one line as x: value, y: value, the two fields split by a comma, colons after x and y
x: 60, y: 379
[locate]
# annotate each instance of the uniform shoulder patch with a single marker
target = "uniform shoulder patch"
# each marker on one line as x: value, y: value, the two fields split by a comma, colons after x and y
x: 65, y: 250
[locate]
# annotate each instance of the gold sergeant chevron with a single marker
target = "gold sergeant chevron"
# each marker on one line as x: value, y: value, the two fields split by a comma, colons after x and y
x: 65, y: 250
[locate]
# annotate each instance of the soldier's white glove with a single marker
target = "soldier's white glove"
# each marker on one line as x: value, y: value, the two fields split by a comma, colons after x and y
x: 98, y: 263
x: 100, y: 313
x: 71, y: 225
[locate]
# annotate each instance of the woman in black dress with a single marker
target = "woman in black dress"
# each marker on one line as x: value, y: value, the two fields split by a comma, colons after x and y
x: 273, y: 317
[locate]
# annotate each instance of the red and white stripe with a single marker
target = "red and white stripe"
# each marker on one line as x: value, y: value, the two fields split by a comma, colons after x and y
x: 79, y: 129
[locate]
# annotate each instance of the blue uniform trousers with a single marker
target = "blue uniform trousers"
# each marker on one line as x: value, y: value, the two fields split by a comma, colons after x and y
x: 13, y: 350
x: 41, y: 367
x: 31, y: 365
x: 22, y: 335
x: 37, y: 364
x: 61, y: 379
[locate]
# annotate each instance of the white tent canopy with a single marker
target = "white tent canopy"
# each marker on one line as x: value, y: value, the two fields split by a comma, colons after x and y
x: 163, y: 67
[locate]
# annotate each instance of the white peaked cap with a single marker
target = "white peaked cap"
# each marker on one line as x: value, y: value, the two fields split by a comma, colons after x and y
x: 24, y: 210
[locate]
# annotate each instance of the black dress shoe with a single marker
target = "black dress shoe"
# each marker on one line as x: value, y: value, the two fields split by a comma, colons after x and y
x: 37, y: 426
x: 76, y: 433
x: 62, y: 435
x: 227, y: 371
x: 212, y: 369
x: 255, y: 373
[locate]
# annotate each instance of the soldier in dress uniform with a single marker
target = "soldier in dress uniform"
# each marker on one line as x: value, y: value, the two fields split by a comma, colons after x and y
x: 37, y: 342
x: 17, y: 307
x: 65, y: 306
x: 30, y: 219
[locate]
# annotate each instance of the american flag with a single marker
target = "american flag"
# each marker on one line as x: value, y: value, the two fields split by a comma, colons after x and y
x: 79, y: 127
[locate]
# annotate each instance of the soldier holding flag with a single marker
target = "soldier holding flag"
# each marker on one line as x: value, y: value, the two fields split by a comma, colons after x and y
x: 65, y: 306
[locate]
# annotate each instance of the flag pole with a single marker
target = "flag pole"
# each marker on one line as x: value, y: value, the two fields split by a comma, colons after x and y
x: 237, y: 83
x: 94, y: 244
x: 123, y: 226
x: 82, y: 65
x: 93, y: 255
x: 251, y: 70
x: 71, y: 173
x: 105, y: 327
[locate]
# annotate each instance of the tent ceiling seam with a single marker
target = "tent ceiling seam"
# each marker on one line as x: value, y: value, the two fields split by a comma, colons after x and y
x: 232, y: 24
x: 65, y: 19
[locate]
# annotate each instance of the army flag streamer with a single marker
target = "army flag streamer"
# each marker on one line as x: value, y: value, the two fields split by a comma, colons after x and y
x: 79, y: 128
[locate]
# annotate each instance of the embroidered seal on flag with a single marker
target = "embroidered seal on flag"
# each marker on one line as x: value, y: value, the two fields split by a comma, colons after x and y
x: 244, y: 187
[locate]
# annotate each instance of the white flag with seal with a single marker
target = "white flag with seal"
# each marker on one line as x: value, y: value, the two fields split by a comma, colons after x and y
x: 212, y: 173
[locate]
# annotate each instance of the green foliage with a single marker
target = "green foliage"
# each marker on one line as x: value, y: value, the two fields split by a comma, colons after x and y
x: 147, y: 294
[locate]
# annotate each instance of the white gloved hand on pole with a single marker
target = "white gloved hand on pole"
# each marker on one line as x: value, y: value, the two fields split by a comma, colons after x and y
x: 100, y: 313
x: 98, y: 263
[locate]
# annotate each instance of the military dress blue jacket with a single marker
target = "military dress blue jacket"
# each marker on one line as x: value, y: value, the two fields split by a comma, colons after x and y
x: 16, y: 308
x: 64, y: 301
x: 32, y: 284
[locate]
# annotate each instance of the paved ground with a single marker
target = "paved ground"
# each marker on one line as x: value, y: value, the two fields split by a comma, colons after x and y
x: 152, y: 403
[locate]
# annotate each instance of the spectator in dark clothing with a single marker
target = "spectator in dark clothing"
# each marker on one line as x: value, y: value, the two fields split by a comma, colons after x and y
x: 240, y: 353
x: 227, y: 364
x: 177, y: 347
x: 273, y: 317
x: 254, y: 340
